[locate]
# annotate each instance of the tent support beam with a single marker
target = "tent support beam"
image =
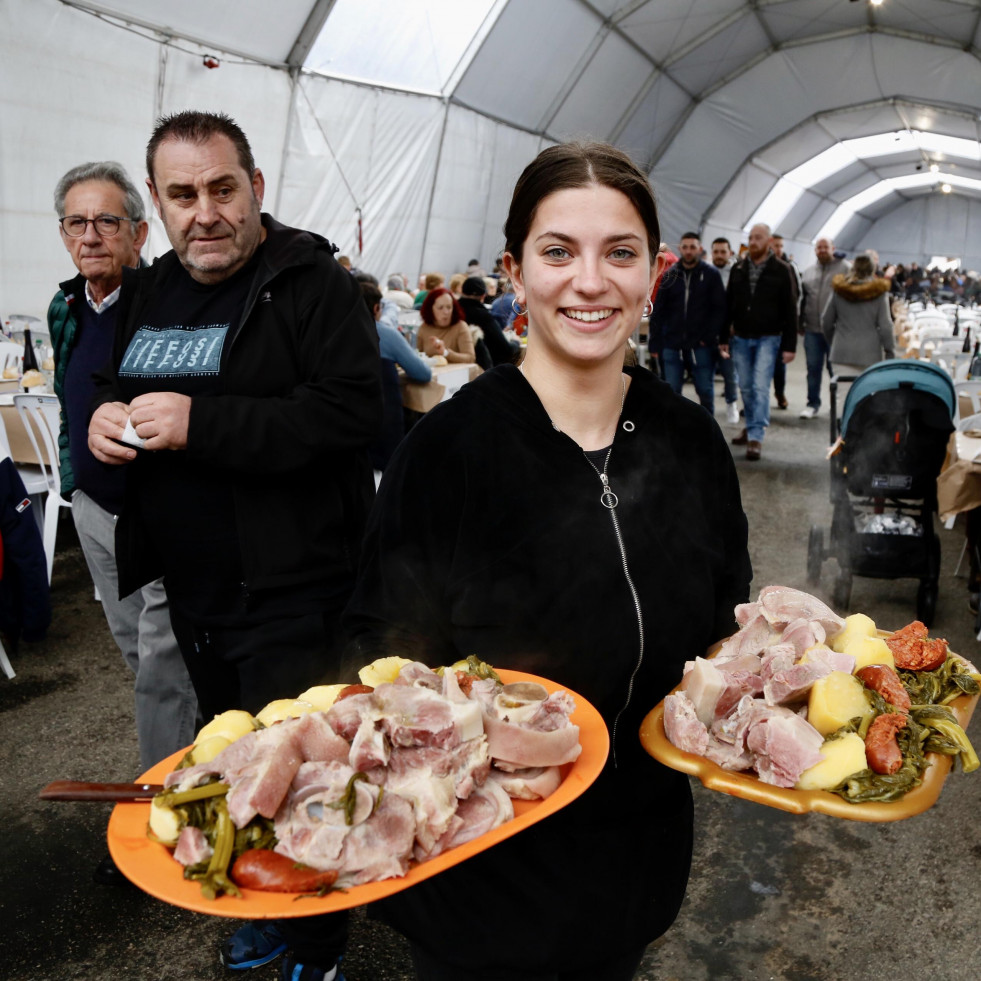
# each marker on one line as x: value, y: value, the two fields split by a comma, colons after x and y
x: 432, y: 187
x: 309, y: 33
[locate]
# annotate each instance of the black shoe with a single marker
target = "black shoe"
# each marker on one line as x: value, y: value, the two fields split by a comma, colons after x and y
x: 973, y: 602
x: 782, y: 402
x: 107, y: 874
x: 253, y: 945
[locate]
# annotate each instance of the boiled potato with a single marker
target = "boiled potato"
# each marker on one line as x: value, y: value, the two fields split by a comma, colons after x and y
x: 835, y: 699
x: 206, y: 750
x: 165, y: 823
x: 321, y: 697
x: 856, y: 625
x: 870, y: 650
x: 283, y: 708
x: 382, y: 671
x: 230, y: 724
x: 842, y: 757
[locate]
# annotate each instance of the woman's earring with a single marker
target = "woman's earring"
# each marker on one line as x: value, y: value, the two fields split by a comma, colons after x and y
x: 648, y: 309
x: 516, y: 306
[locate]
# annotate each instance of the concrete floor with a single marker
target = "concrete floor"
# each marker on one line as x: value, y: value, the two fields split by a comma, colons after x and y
x: 773, y: 896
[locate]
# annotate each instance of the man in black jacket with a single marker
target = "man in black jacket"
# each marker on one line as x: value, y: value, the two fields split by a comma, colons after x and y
x: 246, y: 370
x: 472, y: 294
x: 762, y: 327
x: 689, y: 315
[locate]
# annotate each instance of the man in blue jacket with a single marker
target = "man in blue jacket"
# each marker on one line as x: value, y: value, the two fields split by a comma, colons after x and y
x: 689, y: 314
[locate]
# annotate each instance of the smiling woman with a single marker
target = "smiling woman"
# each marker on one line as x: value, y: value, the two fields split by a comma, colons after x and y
x: 588, y: 530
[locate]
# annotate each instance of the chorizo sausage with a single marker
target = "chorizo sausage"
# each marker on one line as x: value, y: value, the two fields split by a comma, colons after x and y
x: 912, y: 650
x: 882, y: 678
x: 260, y: 868
x: 881, y: 745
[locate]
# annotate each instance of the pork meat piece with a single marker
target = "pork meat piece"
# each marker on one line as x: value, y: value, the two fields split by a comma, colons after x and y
x: 785, y: 745
x: 317, y: 740
x: 192, y: 847
x: 260, y: 784
x: 370, y: 747
x: 793, y: 683
x: 467, y: 764
x: 483, y: 811
x: 682, y: 726
x: 776, y: 658
x: 535, y: 783
x: 746, y: 613
x: 433, y: 801
x: 751, y: 638
x: 782, y: 605
x: 380, y: 847
x: 419, y: 675
x: 835, y: 660
x: 704, y: 685
x: 803, y: 634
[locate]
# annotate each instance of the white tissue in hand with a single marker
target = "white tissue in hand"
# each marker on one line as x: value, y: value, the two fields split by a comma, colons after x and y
x: 129, y: 436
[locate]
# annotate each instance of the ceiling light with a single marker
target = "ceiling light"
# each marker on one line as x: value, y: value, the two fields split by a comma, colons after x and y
x: 945, y: 188
x: 934, y: 168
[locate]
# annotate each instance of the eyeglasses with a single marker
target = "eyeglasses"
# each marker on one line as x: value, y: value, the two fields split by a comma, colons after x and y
x: 74, y: 226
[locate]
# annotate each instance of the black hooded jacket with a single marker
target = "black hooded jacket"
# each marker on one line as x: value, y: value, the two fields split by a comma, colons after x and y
x: 511, y: 555
x: 300, y: 402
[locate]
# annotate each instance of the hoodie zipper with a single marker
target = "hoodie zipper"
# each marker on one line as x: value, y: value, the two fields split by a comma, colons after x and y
x: 609, y: 500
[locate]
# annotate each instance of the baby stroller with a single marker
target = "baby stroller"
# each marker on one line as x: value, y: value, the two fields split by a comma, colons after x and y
x: 894, y: 430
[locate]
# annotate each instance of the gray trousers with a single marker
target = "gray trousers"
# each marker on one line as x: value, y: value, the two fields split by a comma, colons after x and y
x: 165, y: 704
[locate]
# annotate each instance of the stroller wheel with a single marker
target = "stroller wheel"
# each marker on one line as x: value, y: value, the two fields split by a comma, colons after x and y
x: 843, y: 591
x: 815, y: 554
x: 926, y: 601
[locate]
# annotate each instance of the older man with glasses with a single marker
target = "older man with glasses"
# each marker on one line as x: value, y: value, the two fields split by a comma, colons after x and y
x: 101, y: 216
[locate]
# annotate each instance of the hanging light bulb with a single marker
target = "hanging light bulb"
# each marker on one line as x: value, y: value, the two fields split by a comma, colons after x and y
x: 945, y: 188
x: 934, y: 168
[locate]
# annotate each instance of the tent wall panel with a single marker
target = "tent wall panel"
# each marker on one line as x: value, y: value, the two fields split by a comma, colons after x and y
x: 511, y: 77
x: 615, y: 68
x: 352, y: 146
x: 55, y: 113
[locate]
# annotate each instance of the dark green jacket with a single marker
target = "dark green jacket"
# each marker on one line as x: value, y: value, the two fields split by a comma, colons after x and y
x: 63, y: 327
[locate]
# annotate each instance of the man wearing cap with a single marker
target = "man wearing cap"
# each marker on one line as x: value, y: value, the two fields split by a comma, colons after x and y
x: 472, y: 294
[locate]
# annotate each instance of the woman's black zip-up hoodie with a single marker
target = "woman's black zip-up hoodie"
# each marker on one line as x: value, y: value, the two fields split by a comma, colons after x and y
x: 489, y: 537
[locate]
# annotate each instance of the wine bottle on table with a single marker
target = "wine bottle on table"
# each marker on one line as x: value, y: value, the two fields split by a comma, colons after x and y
x: 974, y: 369
x: 30, y: 361
x: 966, y: 347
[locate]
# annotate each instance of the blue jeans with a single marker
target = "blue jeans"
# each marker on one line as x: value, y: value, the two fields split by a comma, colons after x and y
x: 755, y: 358
x: 703, y: 371
x: 816, y: 352
x: 730, y: 384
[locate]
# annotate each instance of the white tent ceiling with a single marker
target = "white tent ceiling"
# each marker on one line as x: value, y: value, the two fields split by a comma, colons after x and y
x: 416, y: 115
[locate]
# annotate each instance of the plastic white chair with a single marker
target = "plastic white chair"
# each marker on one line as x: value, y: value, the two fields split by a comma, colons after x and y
x: 41, y: 415
x: 11, y: 354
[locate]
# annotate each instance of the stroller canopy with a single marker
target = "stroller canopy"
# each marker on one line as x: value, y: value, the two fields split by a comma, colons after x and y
x: 896, y: 373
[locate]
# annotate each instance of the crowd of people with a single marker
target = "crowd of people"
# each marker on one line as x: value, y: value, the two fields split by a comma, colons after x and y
x: 741, y: 318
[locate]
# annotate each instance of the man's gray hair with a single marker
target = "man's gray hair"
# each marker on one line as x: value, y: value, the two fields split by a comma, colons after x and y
x: 101, y: 170
x: 395, y: 282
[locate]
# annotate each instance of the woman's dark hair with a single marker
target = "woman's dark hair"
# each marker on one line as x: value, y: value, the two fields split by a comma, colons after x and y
x: 426, y: 310
x: 862, y: 266
x: 573, y: 165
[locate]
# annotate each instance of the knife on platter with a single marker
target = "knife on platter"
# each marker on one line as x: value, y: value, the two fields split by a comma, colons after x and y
x: 80, y: 790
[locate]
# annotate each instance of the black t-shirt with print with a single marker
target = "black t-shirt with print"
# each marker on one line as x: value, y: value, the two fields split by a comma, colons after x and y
x: 182, y: 346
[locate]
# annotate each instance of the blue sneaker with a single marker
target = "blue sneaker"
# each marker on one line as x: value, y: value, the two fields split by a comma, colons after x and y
x: 253, y: 945
x: 293, y: 970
